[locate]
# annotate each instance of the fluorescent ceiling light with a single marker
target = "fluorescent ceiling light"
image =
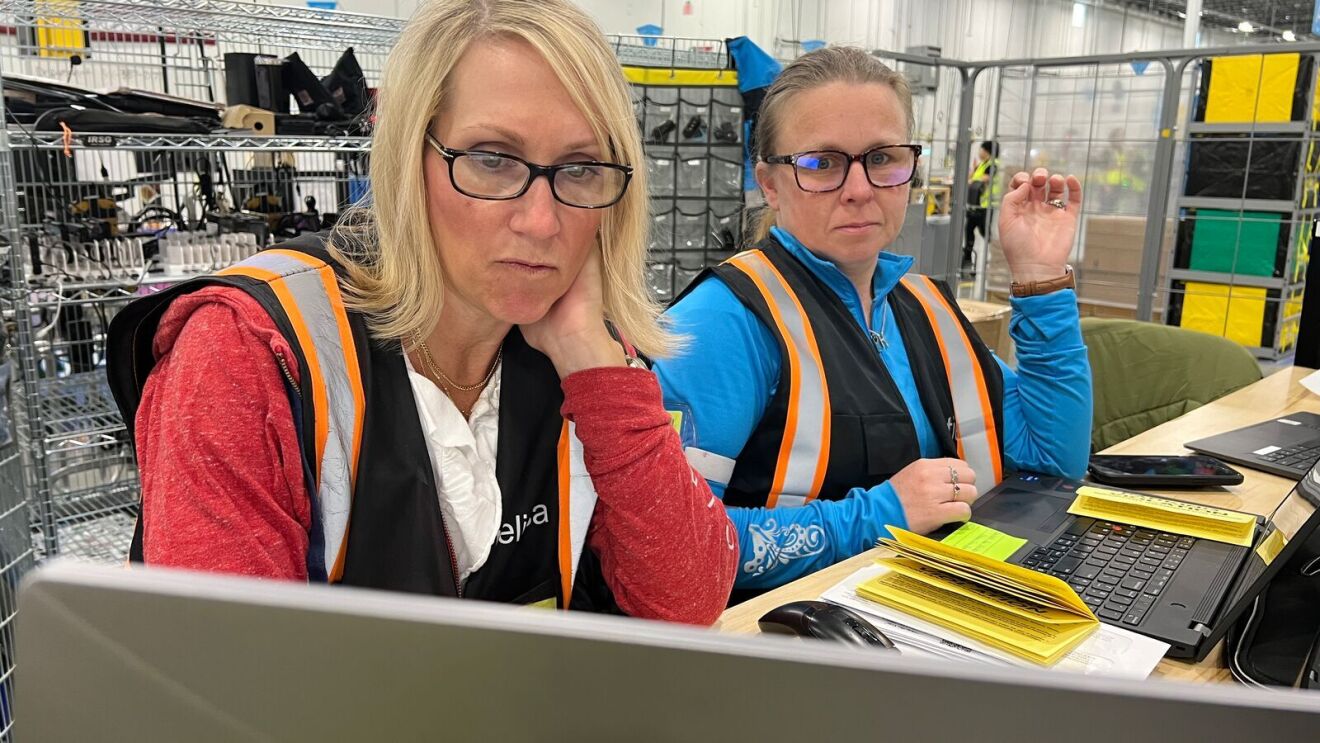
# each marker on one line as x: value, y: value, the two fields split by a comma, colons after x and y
x: 1246, y: 27
x: 1289, y: 36
x: 1079, y: 15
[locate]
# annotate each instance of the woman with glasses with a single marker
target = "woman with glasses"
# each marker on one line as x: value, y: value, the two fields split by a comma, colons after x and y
x: 430, y: 398
x: 825, y: 394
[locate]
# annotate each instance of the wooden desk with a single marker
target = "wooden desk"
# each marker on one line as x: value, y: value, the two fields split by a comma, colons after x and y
x: 1276, y: 395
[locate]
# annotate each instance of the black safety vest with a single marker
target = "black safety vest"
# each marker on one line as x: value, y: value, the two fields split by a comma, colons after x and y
x: 376, y: 515
x: 837, y: 420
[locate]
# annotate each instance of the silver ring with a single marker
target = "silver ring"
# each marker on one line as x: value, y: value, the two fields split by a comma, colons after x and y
x: 953, y: 478
x: 1057, y: 203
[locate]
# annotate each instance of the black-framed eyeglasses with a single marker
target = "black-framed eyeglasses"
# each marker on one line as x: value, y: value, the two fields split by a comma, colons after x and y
x: 821, y: 171
x: 495, y: 176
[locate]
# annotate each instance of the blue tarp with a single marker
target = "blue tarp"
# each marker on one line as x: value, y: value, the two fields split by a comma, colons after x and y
x: 756, y: 69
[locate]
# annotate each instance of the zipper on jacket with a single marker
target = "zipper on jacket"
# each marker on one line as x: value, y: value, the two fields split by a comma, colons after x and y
x: 284, y: 367
x: 453, y: 559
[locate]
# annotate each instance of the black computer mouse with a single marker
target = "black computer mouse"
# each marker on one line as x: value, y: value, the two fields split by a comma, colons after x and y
x: 824, y: 621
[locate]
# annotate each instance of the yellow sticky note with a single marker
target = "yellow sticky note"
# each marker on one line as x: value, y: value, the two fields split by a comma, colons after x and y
x: 1166, y: 514
x: 1271, y: 546
x: 984, y: 541
x: 676, y: 420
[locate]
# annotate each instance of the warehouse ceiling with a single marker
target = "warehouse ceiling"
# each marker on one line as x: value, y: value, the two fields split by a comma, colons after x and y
x: 1269, y: 18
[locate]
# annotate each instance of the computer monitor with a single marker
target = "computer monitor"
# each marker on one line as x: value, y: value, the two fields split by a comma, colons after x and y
x: 158, y: 655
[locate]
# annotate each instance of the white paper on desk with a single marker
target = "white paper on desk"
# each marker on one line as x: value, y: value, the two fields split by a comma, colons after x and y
x: 1109, y: 651
x: 1312, y: 382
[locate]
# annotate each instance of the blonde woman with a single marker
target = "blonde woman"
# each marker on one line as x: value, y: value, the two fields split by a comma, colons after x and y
x: 430, y: 400
x: 831, y: 395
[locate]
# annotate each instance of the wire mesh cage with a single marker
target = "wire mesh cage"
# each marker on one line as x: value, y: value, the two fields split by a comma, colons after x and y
x: 95, y: 214
x: 156, y: 217
x: 1098, y: 121
x: 16, y: 558
x: 94, y: 219
x: 177, y: 47
x: 670, y: 52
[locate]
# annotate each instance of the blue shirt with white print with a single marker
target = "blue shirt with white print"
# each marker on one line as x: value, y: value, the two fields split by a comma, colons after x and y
x: 723, y: 381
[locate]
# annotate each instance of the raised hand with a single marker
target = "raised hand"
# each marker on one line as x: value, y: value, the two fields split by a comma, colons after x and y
x: 1037, y: 235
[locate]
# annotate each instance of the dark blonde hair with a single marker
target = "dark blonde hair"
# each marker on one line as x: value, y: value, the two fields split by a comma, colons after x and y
x: 832, y: 64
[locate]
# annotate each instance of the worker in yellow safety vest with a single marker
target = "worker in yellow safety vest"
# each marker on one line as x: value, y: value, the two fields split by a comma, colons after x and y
x: 983, y: 190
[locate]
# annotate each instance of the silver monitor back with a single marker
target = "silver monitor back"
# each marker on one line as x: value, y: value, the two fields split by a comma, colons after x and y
x: 157, y: 655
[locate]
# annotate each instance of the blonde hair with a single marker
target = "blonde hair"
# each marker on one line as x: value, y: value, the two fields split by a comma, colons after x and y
x: 832, y: 64
x: 385, y: 242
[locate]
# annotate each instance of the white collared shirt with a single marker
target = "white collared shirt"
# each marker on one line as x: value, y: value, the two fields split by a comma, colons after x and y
x: 463, y: 460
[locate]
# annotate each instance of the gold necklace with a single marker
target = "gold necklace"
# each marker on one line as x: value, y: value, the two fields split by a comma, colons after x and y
x: 430, y: 361
x: 445, y: 382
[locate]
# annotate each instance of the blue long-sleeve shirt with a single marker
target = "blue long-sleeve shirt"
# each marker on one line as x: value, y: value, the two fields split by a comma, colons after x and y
x: 724, y: 380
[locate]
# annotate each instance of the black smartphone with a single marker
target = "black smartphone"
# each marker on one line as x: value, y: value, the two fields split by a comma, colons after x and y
x: 1191, y: 471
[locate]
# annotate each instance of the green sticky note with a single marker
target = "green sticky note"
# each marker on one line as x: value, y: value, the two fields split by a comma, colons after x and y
x: 984, y: 541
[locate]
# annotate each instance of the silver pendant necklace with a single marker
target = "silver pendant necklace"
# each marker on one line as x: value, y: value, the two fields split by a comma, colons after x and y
x: 879, y: 338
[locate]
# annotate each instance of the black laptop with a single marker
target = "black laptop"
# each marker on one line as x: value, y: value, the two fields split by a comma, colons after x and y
x: 1287, y: 446
x: 1181, y: 590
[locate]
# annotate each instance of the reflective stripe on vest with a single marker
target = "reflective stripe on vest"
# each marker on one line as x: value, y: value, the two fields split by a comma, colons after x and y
x: 308, y: 291
x: 577, y: 503
x: 805, y: 451
x: 978, y: 443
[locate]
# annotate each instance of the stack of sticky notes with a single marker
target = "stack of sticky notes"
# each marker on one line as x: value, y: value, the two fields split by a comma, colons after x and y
x: 1166, y: 514
x: 1033, y: 616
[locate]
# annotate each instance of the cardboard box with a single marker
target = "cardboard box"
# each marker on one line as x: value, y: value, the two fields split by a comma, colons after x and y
x: 991, y: 322
x: 1117, y: 287
x: 1115, y: 243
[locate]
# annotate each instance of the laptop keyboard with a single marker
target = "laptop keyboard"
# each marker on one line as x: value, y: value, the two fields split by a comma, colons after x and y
x: 1302, y: 456
x: 1119, y: 570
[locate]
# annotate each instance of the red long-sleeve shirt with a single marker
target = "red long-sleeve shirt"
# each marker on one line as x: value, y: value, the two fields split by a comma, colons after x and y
x: 223, y: 487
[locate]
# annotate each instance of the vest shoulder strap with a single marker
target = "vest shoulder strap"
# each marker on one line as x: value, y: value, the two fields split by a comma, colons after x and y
x: 975, y: 435
x: 805, y: 449
x: 308, y: 292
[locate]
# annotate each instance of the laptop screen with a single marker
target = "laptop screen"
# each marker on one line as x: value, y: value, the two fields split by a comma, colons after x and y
x: 1291, y: 524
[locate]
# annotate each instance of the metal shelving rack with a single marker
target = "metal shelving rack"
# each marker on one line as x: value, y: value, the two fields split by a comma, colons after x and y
x: 670, y: 52
x: 1283, y: 304
x: 80, y: 473
x: 68, y: 483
